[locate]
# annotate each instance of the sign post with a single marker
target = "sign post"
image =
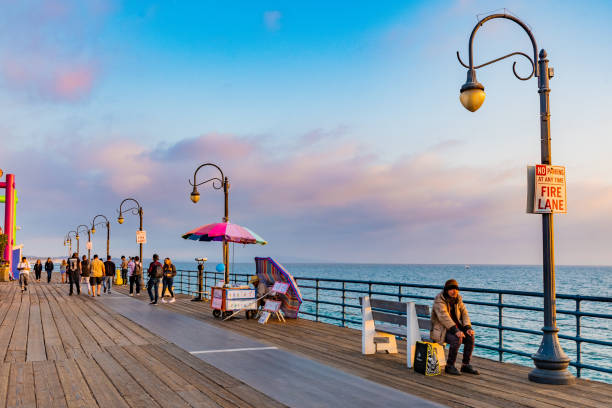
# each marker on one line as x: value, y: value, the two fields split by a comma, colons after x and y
x: 546, y: 192
x: 141, y: 237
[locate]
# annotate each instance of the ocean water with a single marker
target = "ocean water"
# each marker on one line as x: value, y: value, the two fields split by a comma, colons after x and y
x: 574, y: 280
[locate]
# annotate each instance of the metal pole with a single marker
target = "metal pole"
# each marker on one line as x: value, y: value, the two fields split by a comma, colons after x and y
x: 88, y: 244
x: 107, y: 239
x: 551, y: 361
x: 226, y: 219
x: 78, y: 247
x: 140, y: 214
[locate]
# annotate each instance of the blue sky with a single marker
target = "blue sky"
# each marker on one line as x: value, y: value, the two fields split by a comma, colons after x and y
x: 339, y: 125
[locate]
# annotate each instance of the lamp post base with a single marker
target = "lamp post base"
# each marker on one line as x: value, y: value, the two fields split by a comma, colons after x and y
x: 554, y: 377
x: 550, y: 361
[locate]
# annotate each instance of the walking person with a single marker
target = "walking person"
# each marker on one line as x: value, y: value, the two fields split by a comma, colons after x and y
x: 38, y: 270
x: 49, y: 269
x: 85, y: 272
x: 98, y: 271
x: 24, y: 273
x: 63, y: 268
x: 450, y: 323
x: 74, y: 273
x: 155, y: 272
x: 124, y: 271
x: 134, y: 272
x: 168, y: 279
x: 109, y: 267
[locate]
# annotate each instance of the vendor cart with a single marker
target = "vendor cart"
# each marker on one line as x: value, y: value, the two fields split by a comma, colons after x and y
x: 226, y: 301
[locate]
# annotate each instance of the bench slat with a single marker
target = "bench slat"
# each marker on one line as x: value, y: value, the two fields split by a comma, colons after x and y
x: 381, y: 340
x: 422, y: 310
x: 388, y: 305
x: 424, y: 323
x: 389, y: 318
x: 398, y: 331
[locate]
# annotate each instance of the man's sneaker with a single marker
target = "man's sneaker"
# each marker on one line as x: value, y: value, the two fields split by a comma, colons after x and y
x: 131, y: 294
x: 154, y: 303
x: 469, y: 369
x: 452, y: 370
x: 172, y: 300
x: 164, y: 300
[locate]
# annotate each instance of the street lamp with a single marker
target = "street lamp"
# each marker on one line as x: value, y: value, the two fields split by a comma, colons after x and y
x: 107, y: 224
x: 76, y: 235
x: 218, y: 183
x: 68, y: 241
x: 88, y: 238
x: 134, y: 210
x: 551, y: 361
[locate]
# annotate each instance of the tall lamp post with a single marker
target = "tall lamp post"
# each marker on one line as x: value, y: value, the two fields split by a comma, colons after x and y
x: 68, y: 240
x: 88, y: 238
x: 218, y: 183
x: 106, y: 222
x: 134, y: 210
x: 551, y: 361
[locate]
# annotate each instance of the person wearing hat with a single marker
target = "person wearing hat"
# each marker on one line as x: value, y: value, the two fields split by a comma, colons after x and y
x: 260, y: 287
x: 450, y: 323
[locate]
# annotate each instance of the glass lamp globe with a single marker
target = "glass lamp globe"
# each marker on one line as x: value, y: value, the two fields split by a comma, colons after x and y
x: 472, y: 93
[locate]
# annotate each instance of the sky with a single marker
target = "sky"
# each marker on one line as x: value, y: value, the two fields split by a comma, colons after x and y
x: 338, y: 124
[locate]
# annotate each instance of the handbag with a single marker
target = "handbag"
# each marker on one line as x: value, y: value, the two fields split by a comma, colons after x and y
x: 426, y: 360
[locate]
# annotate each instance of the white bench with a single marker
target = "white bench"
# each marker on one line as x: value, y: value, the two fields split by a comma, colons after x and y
x: 399, y: 319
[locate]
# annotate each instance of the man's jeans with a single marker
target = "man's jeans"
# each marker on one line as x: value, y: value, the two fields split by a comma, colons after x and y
x: 107, y: 283
x: 454, y: 343
x: 153, y: 285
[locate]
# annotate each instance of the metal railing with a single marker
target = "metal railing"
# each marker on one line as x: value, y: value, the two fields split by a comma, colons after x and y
x: 337, y: 301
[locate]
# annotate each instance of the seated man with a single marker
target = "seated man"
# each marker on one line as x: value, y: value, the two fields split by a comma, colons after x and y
x: 450, y: 323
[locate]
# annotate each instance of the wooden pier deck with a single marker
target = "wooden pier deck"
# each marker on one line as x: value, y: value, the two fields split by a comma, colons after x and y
x: 499, y: 385
x: 61, y: 351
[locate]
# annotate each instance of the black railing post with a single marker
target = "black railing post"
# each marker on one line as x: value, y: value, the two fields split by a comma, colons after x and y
x: 370, y: 289
x: 578, y: 342
x: 500, y: 321
x: 198, y: 297
x: 317, y: 299
x: 343, y: 302
x: 399, y: 293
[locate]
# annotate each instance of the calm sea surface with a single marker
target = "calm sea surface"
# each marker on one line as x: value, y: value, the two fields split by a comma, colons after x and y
x: 575, y: 280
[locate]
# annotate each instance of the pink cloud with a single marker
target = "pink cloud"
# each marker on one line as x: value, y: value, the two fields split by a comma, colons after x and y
x: 73, y: 83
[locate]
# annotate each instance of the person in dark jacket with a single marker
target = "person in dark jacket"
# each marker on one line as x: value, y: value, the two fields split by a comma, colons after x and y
x: 109, y: 267
x: 49, y: 269
x: 155, y: 272
x: 37, y: 270
x: 74, y: 273
x: 450, y: 323
x: 168, y: 279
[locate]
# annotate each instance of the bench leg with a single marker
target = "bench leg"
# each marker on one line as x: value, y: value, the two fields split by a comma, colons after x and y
x: 390, y: 347
x: 367, y: 328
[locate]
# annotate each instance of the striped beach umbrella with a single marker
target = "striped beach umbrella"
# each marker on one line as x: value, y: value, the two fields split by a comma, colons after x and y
x: 224, y: 231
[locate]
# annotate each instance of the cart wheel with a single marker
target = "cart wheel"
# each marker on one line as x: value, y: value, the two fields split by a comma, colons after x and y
x: 226, y: 314
x: 217, y: 313
x: 248, y: 314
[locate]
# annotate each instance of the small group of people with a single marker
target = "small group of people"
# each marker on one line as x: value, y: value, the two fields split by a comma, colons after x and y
x: 160, y: 272
x: 24, y: 271
x: 97, y: 275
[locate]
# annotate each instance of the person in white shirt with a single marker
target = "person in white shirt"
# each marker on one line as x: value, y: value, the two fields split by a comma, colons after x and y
x: 24, y: 273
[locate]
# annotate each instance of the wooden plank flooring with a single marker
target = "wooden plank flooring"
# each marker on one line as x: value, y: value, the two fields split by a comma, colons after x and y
x: 71, y: 351
x: 499, y: 385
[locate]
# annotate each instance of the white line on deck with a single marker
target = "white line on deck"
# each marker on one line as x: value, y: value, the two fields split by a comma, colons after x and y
x: 231, y: 350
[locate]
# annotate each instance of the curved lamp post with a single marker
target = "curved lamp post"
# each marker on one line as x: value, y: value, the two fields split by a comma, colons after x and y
x: 106, y: 222
x: 551, y: 361
x: 69, y: 239
x: 88, y: 238
x: 134, y: 210
x: 218, y: 183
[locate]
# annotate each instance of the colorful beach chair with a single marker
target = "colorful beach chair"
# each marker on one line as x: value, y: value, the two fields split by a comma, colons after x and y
x: 269, y: 271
